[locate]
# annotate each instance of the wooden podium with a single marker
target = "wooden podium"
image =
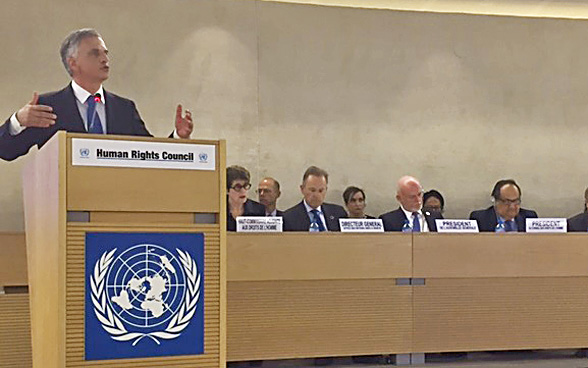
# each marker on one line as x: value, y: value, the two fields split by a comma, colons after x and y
x: 64, y: 202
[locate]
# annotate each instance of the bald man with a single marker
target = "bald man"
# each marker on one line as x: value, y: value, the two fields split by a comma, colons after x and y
x: 409, y: 194
x: 268, y: 191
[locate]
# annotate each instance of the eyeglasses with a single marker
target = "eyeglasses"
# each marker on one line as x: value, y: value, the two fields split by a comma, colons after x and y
x: 510, y: 202
x: 238, y: 187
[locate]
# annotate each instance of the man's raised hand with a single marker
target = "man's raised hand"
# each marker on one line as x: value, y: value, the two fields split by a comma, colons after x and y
x: 34, y: 115
x: 184, y: 124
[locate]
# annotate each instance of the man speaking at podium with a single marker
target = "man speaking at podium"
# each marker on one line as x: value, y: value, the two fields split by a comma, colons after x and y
x: 82, y: 107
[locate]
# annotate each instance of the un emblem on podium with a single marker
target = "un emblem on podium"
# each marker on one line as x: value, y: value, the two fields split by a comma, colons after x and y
x: 145, y: 293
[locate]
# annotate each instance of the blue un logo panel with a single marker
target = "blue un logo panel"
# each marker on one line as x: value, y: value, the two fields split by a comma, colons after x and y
x: 144, y: 295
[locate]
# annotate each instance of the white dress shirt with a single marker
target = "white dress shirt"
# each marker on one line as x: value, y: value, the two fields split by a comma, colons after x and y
x: 421, y: 217
x: 321, y: 214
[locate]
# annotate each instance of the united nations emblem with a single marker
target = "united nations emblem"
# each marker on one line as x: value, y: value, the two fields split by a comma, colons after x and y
x: 84, y: 152
x: 145, y: 292
x: 203, y: 157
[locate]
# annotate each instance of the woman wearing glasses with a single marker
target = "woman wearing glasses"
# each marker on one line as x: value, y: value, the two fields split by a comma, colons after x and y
x: 433, y: 202
x: 238, y: 184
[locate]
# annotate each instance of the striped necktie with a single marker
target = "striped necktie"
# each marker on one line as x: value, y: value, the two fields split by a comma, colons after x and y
x: 317, y: 219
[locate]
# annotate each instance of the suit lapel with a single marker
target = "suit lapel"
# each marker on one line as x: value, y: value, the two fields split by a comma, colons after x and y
x: 402, y: 219
x: 74, y: 122
x: 304, y: 216
x: 430, y: 223
x: 331, y: 226
x: 521, y: 223
x: 109, y: 105
x: 493, y: 219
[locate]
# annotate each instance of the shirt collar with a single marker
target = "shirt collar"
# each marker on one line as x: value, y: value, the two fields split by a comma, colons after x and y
x: 409, y: 214
x: 500, y: 219
x: 82, y: 95
x: 308, y: 208
x: 274, y: 213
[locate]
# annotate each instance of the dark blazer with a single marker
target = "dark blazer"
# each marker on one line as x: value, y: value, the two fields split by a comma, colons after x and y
x: 395, y: 220
x: 487, y: 220
x: 122, y: 118
x: 578, y: 223
x: 278, y: 213
x: 296, y: 218
x: 251, y: 208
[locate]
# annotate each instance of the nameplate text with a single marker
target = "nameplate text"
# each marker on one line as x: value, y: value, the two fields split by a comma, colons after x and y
x: 456, y: 226
x: 547, y: 225
x: 259, y: 224
x: 361, y: 225
x: 153, y: 155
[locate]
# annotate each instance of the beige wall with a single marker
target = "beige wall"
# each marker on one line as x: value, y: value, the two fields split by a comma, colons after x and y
x: 456, y: 100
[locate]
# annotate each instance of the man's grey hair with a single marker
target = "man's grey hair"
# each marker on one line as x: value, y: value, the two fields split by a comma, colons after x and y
x: 69, y: 46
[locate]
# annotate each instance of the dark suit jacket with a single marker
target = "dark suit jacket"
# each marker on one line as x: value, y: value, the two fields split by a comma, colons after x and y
x: 278, y: 213
x: 122, y: 118
x: 394, y: 220
x: 578, y: 223
x: 296, y: 218
x: 251, y: 208
x: 487, y: 219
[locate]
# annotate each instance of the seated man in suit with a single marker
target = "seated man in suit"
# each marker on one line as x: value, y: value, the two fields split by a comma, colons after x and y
x: 82, y: 106
x: 268, y: 191
x: 506, y: 214
x: 409, y: 216
x: 579, y: 223
x: 312, y: 210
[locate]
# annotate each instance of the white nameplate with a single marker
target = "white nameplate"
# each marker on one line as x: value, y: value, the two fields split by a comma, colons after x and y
x: 456, y: 226
x: 259, y: 224
x: 547, y: 225
x: 361, y: 225
x: 153, y: 155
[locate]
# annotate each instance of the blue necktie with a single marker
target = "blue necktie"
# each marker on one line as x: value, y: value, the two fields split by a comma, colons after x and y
x: 416, y: 224
x: 94, y: 124
x: 317, y: 218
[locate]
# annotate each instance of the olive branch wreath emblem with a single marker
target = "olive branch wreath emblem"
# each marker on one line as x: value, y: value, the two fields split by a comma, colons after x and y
x: 112, y: 324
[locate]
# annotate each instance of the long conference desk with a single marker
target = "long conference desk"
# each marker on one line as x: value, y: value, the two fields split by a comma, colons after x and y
x: 301, y: 295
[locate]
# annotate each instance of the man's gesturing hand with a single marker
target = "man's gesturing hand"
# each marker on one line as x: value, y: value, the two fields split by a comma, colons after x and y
x: 184, y: 124
x: 33, y: 115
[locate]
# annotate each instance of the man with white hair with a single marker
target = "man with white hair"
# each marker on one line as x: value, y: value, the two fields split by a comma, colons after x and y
x: 409, y: 216
x: 83, y: 106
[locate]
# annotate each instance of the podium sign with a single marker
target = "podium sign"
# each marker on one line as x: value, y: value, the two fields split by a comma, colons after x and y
x: 126, y: 265
x: 144, y: 295
x: 156, y: 155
